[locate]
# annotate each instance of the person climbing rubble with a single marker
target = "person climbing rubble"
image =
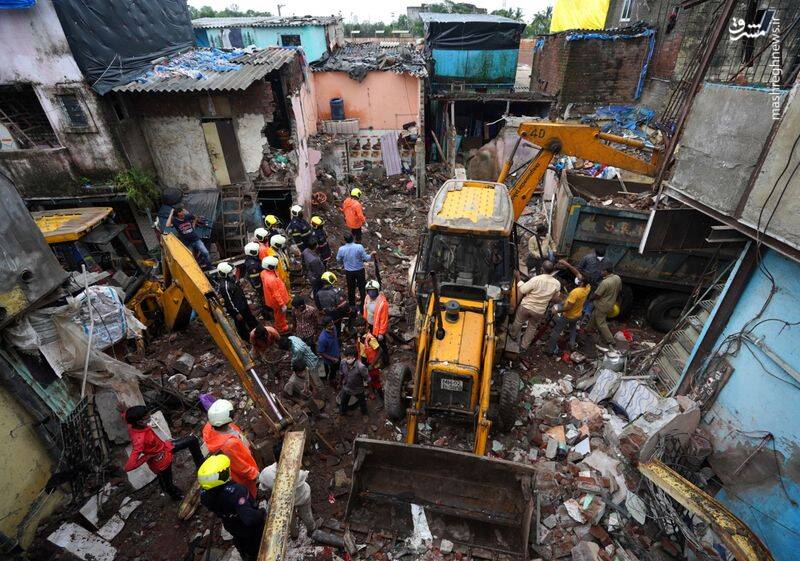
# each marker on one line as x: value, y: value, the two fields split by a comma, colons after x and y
x: 302, y: 493
x: 569, y: 313
x: 376, y: 314
x: 276, y: 297
x: 321, y: 237
x: 352, y: 256
x: 537, y: 294
x: 354, y: 213
x: 298, y: 229
x: 147, y: 447
x: 222, y: 435
x: 234, y: 300
x: 355, y: 379
x: 232, y: 504
x: 277, y: 249
x: 604, y: 298
x: 185, y: 223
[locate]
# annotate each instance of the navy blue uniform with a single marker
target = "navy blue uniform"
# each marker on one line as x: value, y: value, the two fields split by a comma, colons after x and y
x: 239, y: 515
x: 300, y: 231
x: 323, y: 247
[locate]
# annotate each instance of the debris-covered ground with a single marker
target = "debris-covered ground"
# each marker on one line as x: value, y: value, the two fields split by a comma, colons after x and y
x: 581, y: 425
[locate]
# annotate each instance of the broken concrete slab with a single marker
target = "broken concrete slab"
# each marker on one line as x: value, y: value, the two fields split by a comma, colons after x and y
x: 636, y: 507
x: 114, y: 425
x: 184, y: 364
x: 82, y: 543
x: 586, y: 551
x: 635, y: 398
x: 606, y: 384
x: 116, y: 523
x: 91, y: 509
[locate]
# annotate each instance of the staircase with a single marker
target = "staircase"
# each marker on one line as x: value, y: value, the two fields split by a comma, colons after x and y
x: 678, y: 344
x: 233, y: 227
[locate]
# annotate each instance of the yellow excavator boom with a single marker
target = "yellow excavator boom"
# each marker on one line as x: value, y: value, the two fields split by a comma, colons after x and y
x: 581, y: 141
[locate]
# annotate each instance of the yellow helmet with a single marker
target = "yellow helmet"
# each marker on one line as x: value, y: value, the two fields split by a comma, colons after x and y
x: 355, y: 192
x: 328, y: 277
x: 317, y: 221
x: 215, y: 471
x: 270, y: 220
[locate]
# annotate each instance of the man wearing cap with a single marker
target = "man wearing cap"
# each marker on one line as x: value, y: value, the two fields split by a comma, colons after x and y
x: 235, y: 301
x: 354, y: 213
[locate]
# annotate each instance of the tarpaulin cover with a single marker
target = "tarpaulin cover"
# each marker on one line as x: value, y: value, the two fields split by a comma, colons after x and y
x: 470, y: 32
x: 16, y: 4
x: 579, y: 14
x: 114, y: 42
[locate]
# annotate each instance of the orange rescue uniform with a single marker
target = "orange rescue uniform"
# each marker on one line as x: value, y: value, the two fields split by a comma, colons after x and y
x: 276, y: 297
x: 380, y: 316
x: 263, y: 251
x: 283, y: 267
x: 353, y: 213
x: 244, y: 470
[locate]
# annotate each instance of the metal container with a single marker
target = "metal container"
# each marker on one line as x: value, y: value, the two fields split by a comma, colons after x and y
x: 614, y: 361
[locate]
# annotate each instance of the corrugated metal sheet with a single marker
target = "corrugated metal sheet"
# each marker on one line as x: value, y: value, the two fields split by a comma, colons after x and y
x: 216, y: 23
x: 464, y: 18
x: 255, y: 66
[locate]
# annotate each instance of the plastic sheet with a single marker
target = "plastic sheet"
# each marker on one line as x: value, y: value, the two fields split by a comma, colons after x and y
x: 579, y: 14
x: 471, y: 32
x: 16, y: 4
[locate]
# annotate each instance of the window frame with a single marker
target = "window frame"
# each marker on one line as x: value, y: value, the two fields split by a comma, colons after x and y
x: 69, y: 126
x: 627, y: 6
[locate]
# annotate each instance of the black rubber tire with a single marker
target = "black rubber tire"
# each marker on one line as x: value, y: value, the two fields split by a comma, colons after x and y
x: 393, y: 391
x: 665, y: 310
x: 509, y: 398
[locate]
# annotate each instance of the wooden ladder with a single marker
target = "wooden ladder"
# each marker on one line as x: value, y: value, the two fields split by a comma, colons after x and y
x: 233, y: 227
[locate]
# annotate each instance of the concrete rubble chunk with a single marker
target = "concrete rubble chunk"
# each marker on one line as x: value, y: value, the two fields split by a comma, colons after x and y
x: 184, y: 364
x: 446, y: 546
x: 552, y: 448
x: 636, y: 507
x: 582, y: 447
x: 91, y: 509
x: 116, y: 523
x: 574, y: 511
x: 586, y: 551
x: 606, y: 384
x: 585, y: 411
x: 82, y: 543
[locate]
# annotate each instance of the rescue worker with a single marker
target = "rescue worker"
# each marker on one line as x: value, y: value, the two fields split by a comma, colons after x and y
x: 319, y: 234
x: 302, y: 493
x: 235, y: 301
x: 298, y: 230
x: 147, y: 447
x: 262, y: 239
x: 274, y: 226
x: 354, y: 379
x: 376, y: 314
x: 569, y: 313
x: 301, y: 352
x: 313, y: 267
x: 354, y: 213
x: 277, y: 248
x: 332, y: 302
x: 223, y: 436
x: 352, y: 256
x: 276, y: 297
x: 252, y: 265
x: 262, y: 338
x: 369, y: 353
x: 604, y: 298
x: 540, y: 247
x: 232, y: 504
x: 536, y: 294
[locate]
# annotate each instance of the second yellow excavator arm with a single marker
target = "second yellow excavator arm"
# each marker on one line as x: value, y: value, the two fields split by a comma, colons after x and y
x: 581, y: 141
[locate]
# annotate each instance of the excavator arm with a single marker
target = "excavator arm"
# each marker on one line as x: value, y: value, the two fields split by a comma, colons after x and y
x: 186, y: 288
x: 581, y: 141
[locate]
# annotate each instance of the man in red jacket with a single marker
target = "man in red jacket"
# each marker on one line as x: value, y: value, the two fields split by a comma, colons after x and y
x: 147, y: 447
x: 376, y: 312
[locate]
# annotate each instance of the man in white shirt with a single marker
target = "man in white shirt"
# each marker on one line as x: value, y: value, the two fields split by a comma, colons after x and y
x: 302, y: 493
x: 536, y: 294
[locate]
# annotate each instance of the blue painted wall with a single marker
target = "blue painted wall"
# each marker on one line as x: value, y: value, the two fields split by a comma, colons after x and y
x: 312, y: 38
x: 761, y: 397
x: 479, y: 68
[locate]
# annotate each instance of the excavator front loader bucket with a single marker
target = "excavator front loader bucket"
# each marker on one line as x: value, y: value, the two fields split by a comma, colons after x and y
x: 472, y: 500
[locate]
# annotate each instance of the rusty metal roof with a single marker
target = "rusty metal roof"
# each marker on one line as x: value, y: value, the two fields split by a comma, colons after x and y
x: 265, y: 21
x: 253, y: 65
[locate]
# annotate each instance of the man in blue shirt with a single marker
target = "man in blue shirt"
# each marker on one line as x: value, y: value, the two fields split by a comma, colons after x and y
x: 184, y: 223
x: 328, y: 349
x: 351, y: 256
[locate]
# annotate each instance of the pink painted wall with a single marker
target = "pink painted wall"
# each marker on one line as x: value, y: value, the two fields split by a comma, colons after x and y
x: 384, y: 100
x: 304, y: 110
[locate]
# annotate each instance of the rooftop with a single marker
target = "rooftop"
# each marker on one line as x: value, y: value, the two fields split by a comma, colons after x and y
x: 202, y: 69
x: 359, y: 58
x: 432, y: 17
x: 260, y: 21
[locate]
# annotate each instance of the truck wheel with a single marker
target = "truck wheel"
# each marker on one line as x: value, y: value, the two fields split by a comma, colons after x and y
x: 507, y: 407
x: 665, y: 310
x: 394, y: 389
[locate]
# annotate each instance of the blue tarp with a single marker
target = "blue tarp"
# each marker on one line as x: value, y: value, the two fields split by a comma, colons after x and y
x: 627, y: 119
x: 16, y: 4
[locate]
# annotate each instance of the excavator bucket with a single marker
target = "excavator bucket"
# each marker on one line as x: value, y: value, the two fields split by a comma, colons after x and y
x: 483, y: 503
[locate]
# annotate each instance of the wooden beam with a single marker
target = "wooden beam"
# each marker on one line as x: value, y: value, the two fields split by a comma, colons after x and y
x: 281, y: 503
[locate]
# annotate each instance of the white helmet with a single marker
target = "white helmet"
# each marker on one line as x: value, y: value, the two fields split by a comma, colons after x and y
x: 224, y: 268
x: 373, y: 285
x: 261, y: 234
x: 277, y: 241
x: 251, y: 249
x: 296, y: 210
x: 220, y: 413
x: 270, y: 262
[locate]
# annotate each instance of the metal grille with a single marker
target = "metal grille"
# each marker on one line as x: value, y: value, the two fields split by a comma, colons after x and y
x: 85, y: 450
x: 455, y: 399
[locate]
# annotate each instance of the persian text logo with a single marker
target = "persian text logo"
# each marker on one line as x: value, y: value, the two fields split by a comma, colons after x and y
x: 739, y: 29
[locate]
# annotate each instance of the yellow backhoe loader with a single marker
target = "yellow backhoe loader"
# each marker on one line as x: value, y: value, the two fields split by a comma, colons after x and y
x: 465, y: 277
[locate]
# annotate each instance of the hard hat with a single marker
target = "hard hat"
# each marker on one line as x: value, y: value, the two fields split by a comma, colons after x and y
x: 251, y: 249
x: 317, y: 221
x: 224, y: 268
x: 261, y: 234
x: 328, y: 277
x: 220, y: 413
x: 296, y: 210
x: 277, y: 241
x: 215, y: 471
x: 270, y: 262
x: 270, y: 220
x: 373, y: 285
x: 355, y: 192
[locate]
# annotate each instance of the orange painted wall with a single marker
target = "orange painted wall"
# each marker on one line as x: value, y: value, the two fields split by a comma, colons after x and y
x: 383, y: 100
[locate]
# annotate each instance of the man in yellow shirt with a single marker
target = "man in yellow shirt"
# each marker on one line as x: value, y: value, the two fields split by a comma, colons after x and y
x: 570, y: 312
